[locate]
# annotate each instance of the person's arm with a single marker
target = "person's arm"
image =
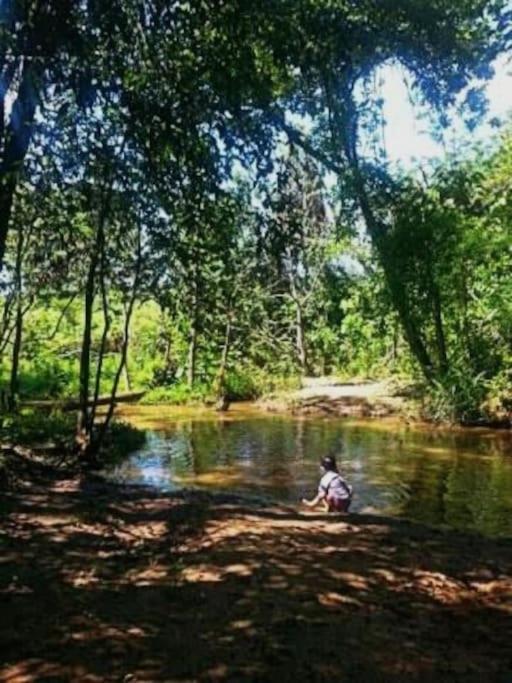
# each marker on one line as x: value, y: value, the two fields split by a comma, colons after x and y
x: 316, y: 500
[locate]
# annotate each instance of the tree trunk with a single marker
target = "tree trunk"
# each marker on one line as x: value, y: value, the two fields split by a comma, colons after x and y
x: 124, y: 348
x: 192, y: 353
x: 106, y: 329
x: 344, y: 133
x: 192, y: 344
x: 18, y: 326
x: 127, y: 379
x: 221, y: 375
x: 83, y: 435
x: 300, y: 339
x: 85, y: 415
x: 126, y: 370
x: 17, y: 138
x: 16, y: 350
x: 440, y: 338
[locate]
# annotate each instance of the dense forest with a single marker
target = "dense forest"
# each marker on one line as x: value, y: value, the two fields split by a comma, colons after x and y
x: 196, y: 202
x: 202, y: 203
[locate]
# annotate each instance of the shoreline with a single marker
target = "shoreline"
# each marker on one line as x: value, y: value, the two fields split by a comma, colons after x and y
x: 115, y: 582
x: 353, y: 399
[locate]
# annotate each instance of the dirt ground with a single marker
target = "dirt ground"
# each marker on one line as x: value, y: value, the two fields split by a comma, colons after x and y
x: 328, y: 396
x: 106, y: 583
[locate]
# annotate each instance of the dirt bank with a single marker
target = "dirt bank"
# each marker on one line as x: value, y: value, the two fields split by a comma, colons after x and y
x: 358, y: 398
x: 108, y: 583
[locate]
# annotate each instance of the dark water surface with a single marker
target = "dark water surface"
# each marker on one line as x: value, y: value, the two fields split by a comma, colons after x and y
x: 459, y: 478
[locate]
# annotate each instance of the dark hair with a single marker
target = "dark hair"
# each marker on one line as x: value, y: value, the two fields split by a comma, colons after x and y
x: 329, y: 463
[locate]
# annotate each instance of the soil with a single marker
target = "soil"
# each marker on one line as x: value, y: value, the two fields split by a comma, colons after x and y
x: 358, y: 398
x: 101, y: 582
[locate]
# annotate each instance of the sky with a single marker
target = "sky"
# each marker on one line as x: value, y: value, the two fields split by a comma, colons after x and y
x: 407, y: 139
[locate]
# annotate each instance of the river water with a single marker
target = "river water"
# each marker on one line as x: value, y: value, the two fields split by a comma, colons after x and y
x: 457, y: 478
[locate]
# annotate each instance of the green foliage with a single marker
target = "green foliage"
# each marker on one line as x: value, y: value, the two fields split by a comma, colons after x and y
x: 241, y: 386
x: 38, y: 428
x: 121, y: 440
x: 179, y: 394
x: 33, y: 427
x: 47, y: 378
x: 458, y: 397
x: 200, y: 252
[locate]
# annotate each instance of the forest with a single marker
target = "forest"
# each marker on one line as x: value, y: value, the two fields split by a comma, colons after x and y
x: 199, y: 208
x: 197, y: 203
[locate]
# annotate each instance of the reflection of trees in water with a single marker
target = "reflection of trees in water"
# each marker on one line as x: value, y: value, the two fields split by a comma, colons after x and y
x: 426, y: 483
x: 479, y: 497
x: 433, y: 477
x: 446, y: 485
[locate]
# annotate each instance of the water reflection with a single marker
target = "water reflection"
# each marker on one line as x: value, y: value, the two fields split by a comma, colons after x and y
x: 462, y: 479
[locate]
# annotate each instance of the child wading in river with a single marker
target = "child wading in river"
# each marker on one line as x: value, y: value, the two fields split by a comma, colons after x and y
x: 333, y: 490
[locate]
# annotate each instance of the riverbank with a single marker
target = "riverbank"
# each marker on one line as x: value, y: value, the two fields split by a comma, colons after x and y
x: 102, y: 582
x: 361, y: 398
x: 356, y: 398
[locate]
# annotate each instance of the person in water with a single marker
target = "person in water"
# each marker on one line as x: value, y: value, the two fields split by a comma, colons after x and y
x: 333, y: 490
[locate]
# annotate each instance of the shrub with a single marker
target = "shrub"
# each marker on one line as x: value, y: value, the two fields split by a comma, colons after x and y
x: 458, y: 397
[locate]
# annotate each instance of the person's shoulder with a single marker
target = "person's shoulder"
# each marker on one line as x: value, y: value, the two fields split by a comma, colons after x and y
x: 327, y: 478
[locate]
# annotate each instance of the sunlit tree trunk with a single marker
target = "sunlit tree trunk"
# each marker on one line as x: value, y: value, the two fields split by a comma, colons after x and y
x: 300, y: 339
x: 193, y: 334
x: 221, y: 375
x: 16, y: 351
x: 18, y: 327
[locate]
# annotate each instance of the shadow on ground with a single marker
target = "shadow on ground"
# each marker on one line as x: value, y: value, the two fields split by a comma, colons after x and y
x: 102, y: 583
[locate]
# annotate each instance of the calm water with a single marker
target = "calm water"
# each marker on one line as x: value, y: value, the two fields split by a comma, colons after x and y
x: 462, y: 479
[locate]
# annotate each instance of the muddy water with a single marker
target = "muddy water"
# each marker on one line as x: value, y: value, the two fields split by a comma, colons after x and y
x: 461, y: 478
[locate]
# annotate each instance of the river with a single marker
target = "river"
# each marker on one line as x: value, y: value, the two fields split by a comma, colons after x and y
x: 457, y: 478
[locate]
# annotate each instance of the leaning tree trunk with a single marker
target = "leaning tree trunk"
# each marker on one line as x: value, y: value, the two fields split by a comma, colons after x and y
x: 344, y: 132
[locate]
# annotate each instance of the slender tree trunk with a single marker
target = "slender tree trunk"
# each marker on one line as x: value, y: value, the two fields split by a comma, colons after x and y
x: 126, y: 373
x: 104, y: 336
x: 124, y: 348
x: 300, y: 339
x: 18, y: 327
x: 16, y: 350
x: 126, y: 369
x: 84, y: 426
x: 192, y: 354
x: 438, y: 323
x: 85, y: 423
x: 192, y: 344
x: 221, y: 375
x: 394, y: 350
x: 6, y: 329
